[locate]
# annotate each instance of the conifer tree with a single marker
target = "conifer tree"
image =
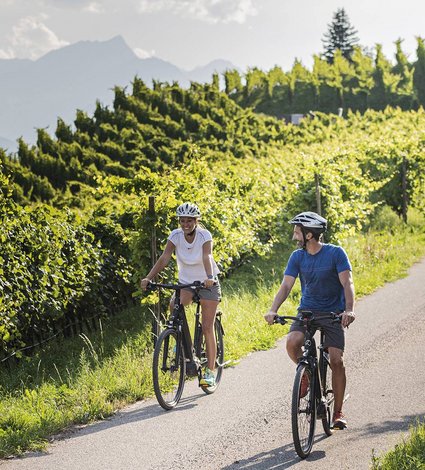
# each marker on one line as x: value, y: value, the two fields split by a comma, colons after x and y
x: 340, y: 35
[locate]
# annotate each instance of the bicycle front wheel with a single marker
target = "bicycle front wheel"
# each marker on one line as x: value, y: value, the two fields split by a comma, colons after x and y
x: 303, y: 411
x: 200, y: 350
x: 169, y: 369
x: 327, y: 392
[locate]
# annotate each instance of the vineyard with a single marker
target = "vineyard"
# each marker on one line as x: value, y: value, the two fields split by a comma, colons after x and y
x: 76, y: 225
x: 361, y: 83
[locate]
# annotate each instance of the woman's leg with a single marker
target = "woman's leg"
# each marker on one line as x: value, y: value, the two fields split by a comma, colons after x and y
x: 209, y: 309
x: 186, y: 298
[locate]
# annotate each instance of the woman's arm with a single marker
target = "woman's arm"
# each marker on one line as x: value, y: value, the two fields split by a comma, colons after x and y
x: 207, y: 258
x: 163, y: 260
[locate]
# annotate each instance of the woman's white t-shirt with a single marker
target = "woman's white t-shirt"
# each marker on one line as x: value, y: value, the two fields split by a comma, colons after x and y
x: 189, y: 255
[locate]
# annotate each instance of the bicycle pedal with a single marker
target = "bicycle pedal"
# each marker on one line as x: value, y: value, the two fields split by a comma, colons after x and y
x: 191, y: 369
x: 339, y: 427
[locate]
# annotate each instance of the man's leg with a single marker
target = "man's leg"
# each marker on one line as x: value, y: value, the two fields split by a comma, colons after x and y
x: 294, y: 342
x: 338, y: 380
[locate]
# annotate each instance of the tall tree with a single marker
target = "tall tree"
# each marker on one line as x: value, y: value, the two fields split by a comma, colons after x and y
x: 340, y: 35
x: 404, y: 69
x: 419, y: 72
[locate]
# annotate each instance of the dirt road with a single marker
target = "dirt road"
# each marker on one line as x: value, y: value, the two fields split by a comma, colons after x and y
x: 246, y: 424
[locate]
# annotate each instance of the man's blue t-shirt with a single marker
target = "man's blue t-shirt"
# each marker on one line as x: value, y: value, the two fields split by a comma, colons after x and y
x: 320, y: 285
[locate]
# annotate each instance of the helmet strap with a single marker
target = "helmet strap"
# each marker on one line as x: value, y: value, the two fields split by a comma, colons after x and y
x: 192, y: 232
x: 304, y: 232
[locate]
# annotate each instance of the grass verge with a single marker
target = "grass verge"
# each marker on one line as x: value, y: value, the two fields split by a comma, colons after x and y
x: 89, y: 377
x: 408, y: 455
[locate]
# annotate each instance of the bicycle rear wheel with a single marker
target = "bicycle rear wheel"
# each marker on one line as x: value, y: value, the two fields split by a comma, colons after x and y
x: 327, y: 392
x: 303, y: 411
x: 200, y: 350
x: 169, y: 368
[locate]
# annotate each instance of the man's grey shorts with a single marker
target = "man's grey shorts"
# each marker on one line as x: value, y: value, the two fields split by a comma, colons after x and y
x: 212, y: 293
x: 334, y: 333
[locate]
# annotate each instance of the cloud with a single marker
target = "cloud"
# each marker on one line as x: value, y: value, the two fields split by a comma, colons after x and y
x: 94, y: 7
x: 211, y: 11
x: 31, y: 38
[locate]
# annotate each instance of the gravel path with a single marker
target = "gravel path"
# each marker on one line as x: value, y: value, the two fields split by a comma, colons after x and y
x: 246, y: 424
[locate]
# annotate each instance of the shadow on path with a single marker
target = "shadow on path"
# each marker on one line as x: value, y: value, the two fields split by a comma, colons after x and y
x: 401, y: 425
x: 282, y: 457
x: 120, y: 418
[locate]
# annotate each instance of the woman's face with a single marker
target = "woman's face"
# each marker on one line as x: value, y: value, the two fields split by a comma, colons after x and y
x: 187, y: 224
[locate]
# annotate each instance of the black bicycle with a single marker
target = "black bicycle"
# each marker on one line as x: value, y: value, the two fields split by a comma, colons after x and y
x: 312, y: 395
x: 176, y: 356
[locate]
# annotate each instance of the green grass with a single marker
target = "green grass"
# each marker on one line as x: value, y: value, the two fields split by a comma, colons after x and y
x: 408, y: 455
x: 89, y: 377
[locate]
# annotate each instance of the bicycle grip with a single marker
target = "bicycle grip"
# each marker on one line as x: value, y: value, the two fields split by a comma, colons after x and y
x: 151, y: 286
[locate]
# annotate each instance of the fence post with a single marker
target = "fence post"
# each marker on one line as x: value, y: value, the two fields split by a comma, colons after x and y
x: 154, y: 257
x: 318, y: 195
x: 404, y: 189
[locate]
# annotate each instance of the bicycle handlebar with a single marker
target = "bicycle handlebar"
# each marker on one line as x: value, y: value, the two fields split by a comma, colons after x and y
x: 155, y: 285
x: 307, y: 315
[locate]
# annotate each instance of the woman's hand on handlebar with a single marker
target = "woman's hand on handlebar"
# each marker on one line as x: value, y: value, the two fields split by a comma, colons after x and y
x: 144, y: 283
x: 208, y: 283
x: 270, y: 317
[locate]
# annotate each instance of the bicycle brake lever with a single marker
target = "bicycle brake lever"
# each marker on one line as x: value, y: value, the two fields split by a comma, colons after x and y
x: 279, y: 320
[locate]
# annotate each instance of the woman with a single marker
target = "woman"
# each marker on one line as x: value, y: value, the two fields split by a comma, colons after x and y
x: 192, y: 244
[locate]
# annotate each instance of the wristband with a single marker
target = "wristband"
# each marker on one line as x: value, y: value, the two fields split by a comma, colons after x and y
x: 210, y: 276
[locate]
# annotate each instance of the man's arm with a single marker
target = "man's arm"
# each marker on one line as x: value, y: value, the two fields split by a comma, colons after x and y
x: 346, y: 279
x: 281, y: 296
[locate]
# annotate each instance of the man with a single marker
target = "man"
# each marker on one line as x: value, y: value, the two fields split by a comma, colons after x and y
x: 326, y: 286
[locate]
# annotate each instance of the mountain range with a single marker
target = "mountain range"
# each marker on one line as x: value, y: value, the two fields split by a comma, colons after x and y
x: 33, y: 94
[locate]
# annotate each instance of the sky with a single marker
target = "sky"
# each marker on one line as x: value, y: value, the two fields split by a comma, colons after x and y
x: 191, y: 33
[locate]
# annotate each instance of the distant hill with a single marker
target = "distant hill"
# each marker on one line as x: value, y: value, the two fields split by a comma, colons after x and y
x: 33, y: 94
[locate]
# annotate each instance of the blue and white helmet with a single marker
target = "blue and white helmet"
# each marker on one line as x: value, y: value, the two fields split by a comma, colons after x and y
x: 188, y: 209
x: 310, y: 220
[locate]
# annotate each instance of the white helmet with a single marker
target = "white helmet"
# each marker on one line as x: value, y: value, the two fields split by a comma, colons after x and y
x: 310, y: 220
x: 188, y: 209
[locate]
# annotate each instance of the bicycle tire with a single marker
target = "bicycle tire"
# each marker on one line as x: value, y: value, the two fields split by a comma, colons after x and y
x: 303, y: 413
x: 327, y: 392
x: 200, y: 350
x: 168, y: 370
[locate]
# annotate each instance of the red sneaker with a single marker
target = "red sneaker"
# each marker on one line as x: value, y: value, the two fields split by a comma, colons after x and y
x: 339, y: 421
x: 305, y: 384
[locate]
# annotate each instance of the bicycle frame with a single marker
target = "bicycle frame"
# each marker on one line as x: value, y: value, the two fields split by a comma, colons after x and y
x: 176, y: 356
x: 315, y: 402
x: 311, y: 358
x: 178, y: 321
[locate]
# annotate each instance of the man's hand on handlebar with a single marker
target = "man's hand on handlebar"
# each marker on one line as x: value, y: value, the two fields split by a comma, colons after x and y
x: 347, y: 318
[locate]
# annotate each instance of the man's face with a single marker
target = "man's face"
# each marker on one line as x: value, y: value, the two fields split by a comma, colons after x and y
x: 298, y: 236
